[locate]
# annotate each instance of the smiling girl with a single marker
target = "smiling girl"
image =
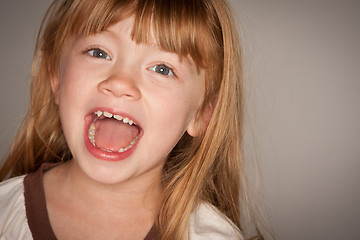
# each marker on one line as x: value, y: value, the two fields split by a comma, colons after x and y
x: 135, y: 125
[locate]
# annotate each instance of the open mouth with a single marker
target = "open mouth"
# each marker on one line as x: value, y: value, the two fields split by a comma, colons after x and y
x: 113, y: 133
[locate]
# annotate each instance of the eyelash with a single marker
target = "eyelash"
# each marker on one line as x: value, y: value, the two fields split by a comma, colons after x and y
x: 172, y: 73
x: 99, y: 51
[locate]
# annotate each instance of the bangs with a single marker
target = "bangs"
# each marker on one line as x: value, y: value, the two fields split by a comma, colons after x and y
x: 182, y: 27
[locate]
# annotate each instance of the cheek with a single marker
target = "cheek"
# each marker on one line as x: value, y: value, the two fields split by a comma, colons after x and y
x: 175, y: 110
x: 73, y: 84
x: 71, y: 97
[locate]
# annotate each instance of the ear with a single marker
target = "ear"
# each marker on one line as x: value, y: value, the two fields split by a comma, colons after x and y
x: 55, y: 84
x: 199, y: 123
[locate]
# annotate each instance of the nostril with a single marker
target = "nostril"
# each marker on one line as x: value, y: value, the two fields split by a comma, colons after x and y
x: 105, y: 90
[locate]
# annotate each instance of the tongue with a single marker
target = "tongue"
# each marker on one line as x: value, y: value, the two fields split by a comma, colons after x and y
x: 112, y: 134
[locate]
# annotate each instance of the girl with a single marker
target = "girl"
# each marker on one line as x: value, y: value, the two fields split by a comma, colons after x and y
x: 135, y: 125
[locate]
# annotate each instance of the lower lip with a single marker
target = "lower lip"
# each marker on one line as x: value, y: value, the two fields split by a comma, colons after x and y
x: 103, y: 155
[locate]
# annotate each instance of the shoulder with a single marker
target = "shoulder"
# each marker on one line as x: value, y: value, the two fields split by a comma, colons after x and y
x: 13, y: 221
x: 11, y: 192
x: 207, y: 222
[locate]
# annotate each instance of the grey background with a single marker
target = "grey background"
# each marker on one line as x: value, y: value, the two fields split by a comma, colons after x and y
x: 303, y: 61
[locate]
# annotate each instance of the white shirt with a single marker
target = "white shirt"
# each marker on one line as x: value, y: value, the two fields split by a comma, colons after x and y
x: 13, y: 221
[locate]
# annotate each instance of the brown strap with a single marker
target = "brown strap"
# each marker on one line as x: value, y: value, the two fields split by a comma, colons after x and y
x: 153, y: 234
x: 35, y: 205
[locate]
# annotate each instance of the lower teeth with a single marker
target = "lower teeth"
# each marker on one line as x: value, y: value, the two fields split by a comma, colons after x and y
x: 91, y: 135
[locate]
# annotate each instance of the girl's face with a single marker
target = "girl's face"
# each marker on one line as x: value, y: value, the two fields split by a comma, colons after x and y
x: 124, y: 106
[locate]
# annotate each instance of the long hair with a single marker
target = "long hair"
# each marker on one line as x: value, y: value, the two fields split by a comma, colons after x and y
x: 208, y: 168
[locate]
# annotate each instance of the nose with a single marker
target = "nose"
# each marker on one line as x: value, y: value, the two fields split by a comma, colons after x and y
x: 120, y: 85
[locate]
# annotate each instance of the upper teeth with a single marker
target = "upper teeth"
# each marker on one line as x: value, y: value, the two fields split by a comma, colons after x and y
x: 117, y: 117
x: 98, y: 113
x: 107, y: 114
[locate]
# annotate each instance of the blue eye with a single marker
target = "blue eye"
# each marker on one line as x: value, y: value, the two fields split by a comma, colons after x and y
x: 162, y: 69
x: 99, y: 53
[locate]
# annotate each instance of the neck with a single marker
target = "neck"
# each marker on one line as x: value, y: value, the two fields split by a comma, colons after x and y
x: 128, y: 197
